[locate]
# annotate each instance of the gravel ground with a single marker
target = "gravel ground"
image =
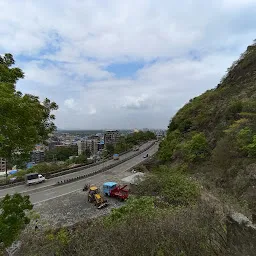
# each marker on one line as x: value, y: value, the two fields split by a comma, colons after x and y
x: 70, y: 209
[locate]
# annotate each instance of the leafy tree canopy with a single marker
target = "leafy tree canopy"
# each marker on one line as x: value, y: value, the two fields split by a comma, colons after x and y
x: 13, y: 217
x: 61, y: 153
x: 25, y: 120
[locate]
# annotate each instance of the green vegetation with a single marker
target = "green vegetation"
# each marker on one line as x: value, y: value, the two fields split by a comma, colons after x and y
x: 109, y: 151
x: 60, y: 153
x: 135, y: 207
x: 25, y: 120
x: 138, y: 137
x: 13, y: 217
x: 127, y: 143
x: 216, y: 131
x: 172, y: 185
x: 82, y: 159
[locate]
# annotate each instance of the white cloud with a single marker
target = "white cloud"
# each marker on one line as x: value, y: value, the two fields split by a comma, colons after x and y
x: 70, y: 103
x: 186, y: 47
x: 92, y: 110
x: 134, y: 102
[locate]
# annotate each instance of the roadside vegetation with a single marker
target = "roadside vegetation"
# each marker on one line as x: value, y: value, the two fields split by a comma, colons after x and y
x: 15, y: 214
x: 128, y: 142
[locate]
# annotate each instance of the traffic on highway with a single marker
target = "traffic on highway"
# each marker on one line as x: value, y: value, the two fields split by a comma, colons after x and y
x: 116, y: 173
x: 51, y: 182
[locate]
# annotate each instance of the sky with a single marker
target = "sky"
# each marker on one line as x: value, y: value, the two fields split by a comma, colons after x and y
x: 123, y: 64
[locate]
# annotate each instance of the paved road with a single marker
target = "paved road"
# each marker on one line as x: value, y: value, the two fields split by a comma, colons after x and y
x: 114, y: 174
x: 52, y: 181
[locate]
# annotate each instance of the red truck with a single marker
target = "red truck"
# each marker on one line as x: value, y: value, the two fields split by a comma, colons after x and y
x: 112, y: 189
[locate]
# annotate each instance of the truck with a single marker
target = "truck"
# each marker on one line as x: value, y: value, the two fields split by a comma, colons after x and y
x: 34, y: 178
x: 112, y: 189
x: 116, y: 156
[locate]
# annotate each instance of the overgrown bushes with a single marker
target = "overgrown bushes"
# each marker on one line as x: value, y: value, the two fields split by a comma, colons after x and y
x: 193, y: 231
x: 171, y: 186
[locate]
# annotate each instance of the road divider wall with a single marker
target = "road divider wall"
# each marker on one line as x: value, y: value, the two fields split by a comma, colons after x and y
x: 65, y: 181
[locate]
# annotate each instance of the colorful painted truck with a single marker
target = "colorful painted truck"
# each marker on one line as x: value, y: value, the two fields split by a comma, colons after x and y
x: 112, y: 189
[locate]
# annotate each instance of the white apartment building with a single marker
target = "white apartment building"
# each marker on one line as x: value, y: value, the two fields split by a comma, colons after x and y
x: 91, y: 145
x: 111, y: 136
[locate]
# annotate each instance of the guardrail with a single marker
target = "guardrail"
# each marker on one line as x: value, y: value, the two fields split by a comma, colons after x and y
x: 102, y: 169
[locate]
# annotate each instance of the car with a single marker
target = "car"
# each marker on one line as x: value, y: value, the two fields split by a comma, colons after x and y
x: 145, y: 156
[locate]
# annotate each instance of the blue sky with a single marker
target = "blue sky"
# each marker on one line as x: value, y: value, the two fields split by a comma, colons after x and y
x: 123, y: 64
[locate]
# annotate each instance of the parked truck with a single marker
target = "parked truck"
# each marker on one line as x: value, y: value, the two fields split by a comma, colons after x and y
x: 116, y: 156
x: 112, y: 189
x: 34, y: 178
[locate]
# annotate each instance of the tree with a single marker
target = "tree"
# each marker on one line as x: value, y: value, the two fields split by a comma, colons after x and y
x: 61, y: 153
x: 25, y: 120
x: 82, y: 159
x: 196, y: 149
x: 13, y: 217
x: 110, y: 149
x: 87, y: 152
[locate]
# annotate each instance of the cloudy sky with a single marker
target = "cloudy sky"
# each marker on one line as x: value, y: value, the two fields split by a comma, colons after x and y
x: 123, y: 63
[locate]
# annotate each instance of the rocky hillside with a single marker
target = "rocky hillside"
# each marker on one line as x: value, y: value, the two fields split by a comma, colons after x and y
x: 215, y: 133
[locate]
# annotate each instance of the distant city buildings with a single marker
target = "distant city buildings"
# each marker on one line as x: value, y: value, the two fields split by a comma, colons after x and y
x: 2, y: 165
x: 111, y: 137
x: 53, y: 144
x: 37, y: 156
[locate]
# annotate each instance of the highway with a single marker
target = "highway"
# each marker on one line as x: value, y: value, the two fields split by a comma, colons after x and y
x: 114, y: 174
x: 49, y: 183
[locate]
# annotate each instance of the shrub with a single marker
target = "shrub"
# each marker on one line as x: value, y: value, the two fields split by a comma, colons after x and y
x: 195, y: 231
x: 171, y: 185
x: 168, y: 147
x: 196, y: 148
x: 139, y: 207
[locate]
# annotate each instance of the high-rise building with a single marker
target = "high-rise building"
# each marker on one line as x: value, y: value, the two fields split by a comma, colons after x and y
x: 37, y: 156
x: 2, y: 165
x: 91, y: 145
x: 81, y: 147
x: 111, y: 137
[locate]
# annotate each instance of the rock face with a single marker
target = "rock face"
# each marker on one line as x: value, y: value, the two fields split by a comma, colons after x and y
x: 241, y: 235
